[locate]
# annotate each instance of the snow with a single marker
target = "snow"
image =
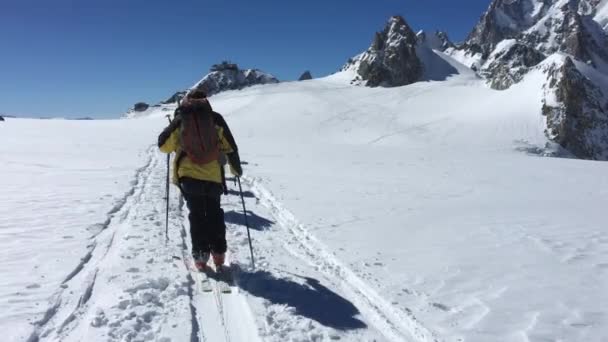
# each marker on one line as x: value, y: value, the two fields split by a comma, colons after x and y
x: 471, y: 60
x: 417, y: 213
x: 525, y: 11
x: 438, y: 66
x: 431, y: 41
x: 61, y: 181
x: 602, y: 15
x: 503, y: 20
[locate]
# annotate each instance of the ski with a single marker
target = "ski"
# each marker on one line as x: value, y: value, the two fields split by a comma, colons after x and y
x: 204, y: 282
x: 225, y: 279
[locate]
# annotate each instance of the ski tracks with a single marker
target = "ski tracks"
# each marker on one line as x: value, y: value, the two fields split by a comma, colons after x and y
x: 389, y: 322
x: 127, y: 287
x: 134, y: 286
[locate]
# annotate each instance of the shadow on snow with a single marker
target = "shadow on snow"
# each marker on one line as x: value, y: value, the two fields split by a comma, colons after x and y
x: 246, y: 194
x: 310, y: 299
x: 256, y: 222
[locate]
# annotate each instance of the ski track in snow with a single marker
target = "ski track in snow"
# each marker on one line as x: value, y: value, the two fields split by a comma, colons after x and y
x: 121, y: 288
x: 132, y: 285
x: 393, y: 324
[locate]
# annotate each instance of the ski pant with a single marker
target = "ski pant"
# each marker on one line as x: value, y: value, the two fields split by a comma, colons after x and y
x: 207, y: 226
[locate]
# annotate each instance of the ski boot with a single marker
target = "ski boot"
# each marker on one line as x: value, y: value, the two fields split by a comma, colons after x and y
x: 200, y: 260
x: 218, y: 260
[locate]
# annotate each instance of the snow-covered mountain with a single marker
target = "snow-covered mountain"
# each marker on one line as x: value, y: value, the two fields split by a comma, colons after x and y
x: 398, y: 57
x: 504, y: 19
x: 391, y: 59
x: 566, y: 39
x: 228, y: 76
x: 563, y: 39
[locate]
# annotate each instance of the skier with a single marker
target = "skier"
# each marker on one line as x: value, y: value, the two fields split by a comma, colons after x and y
x: 200, y: 137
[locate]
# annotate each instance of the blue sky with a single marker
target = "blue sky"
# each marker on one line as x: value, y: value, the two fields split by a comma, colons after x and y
x: 76, y: 58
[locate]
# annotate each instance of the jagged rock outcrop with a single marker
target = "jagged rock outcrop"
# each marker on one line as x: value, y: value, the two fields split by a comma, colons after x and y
x: 568, y: 27
x: 514, y: 35
x: 504, y: 19
x: 438, y: 41
x: 228, y: 76
x: 568, y: 41
x: 391, y: 59
x: 509, y: 63
x: 305, y: 76
x: 576, y: 111
x: 175, y: 97
x: 140, y: 107
x: 1, y: 118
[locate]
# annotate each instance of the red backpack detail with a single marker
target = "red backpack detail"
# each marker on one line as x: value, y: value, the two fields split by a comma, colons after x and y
x: 199, y: 137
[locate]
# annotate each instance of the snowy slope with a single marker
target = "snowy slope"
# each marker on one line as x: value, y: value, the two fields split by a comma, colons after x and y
x: 427, y: 193
x: 418, y: 213
x: 61, y: 181
x: 602, y: 14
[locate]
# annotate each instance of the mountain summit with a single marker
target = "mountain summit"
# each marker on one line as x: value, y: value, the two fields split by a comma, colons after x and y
x: 391, y: 59
x: 228, y: 76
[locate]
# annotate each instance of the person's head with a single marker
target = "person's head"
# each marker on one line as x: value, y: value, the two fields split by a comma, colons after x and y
x: 197, y: 94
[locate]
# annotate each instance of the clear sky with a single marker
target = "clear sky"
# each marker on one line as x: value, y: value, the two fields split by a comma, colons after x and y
x: 75, y: 58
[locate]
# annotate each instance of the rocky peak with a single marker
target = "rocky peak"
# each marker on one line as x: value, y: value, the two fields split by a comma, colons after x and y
x: 140, y: 107
x: 505, y: 19
x: 175, y: 97
x: 397, y: 32
x: 515, y: 35
x: 305, y: 76
x: 391, y: 59
x: 567, y: 28
x: 228, y: 76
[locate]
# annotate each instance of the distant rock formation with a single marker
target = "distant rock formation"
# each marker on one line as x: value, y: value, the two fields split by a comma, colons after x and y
x: 228, y: 76
x: 576, y: 111
x: 305, y: 76
x: 175, y: 97
x: 1, y: 118
x: 509, y: 63
x: 141, y: 107
x: 391, y: 59
x: 505, y: 19
x: 567, y: 40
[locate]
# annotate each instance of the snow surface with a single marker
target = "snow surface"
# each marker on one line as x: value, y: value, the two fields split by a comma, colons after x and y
x: 418, y: 213
x: 61, y: 181
x: 470, y: 60
x: 602, y: 15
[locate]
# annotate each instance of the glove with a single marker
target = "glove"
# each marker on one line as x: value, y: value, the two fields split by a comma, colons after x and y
x: 235, y: 164
x: 166, y: 133
x: 162, y: 138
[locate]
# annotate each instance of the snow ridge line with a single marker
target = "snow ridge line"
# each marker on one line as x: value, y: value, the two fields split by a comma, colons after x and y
x: 390, y: 321
x: 60, y: 300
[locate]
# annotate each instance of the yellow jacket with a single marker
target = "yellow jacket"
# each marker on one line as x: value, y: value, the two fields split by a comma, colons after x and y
x: 184, y: 167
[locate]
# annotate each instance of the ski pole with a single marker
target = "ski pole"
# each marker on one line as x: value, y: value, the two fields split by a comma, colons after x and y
x: 246, y: 223
x: 167, y: 192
